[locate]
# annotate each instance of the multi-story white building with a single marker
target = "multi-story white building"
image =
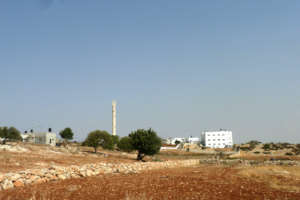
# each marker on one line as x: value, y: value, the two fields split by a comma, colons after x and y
x: 217, y: 139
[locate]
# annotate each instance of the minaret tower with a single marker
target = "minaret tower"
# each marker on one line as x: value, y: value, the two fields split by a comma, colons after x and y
x: 114, y: 118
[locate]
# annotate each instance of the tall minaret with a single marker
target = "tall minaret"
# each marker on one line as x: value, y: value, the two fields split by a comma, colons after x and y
x: 114, y: 118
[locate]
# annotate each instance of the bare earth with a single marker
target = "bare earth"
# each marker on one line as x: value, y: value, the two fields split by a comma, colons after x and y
x: 200, y: 182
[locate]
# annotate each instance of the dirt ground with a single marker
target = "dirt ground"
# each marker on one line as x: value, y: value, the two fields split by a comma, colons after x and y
x: 42, y: 156
x: 201, y: 182
x: 31, y: 156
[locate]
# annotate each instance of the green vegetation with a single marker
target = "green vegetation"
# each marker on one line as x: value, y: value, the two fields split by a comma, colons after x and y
x: 66, y: 134
x: 146, y: 142
x: 115, y: 140
x: 99, y: 138
x: 11, y: 133
x: 125, y: 144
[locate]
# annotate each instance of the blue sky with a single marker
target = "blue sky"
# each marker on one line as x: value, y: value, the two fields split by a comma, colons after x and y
x: 180, y: 67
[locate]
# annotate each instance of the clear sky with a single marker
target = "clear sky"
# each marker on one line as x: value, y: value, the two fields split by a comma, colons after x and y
x: 177, y: 66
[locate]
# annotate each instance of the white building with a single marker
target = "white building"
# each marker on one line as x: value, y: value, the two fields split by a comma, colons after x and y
x: 173, y: 140
x: 217, y: 139
x: 45, y: 138
x: 194, y: 140
x: 181, y: 140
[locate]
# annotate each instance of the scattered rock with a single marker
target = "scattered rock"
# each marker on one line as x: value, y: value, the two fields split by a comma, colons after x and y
x: 18, y: 183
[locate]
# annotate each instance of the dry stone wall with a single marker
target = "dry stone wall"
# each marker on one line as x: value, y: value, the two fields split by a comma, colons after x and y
x: 35, y: 176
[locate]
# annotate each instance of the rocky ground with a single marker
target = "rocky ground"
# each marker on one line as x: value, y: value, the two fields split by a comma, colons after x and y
x: 200, y: 182
x: 42, y: 172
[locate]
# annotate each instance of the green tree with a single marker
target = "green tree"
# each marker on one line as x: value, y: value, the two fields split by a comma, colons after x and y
x: 3, y: 134
x: 14, y: 134
x: 10, y: 134
x: 66, y: 134
x: 125, y: 144
x: 99, y: 138
x: 115, y: 140
x: 146, y: 142
x: 177, y: 142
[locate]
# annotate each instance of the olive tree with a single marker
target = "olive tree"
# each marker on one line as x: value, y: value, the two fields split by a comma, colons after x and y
x: 66, y: 134
x: 146, y: 142
x: 125, y: 144
x: 99, y: 138
x: 9, y: 134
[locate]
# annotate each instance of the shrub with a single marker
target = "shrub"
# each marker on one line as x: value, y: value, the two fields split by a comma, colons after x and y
x: 99, y: 138
x: 146, y: 142
x: 289, y: 154
x: 266, y: 147
x: 125, y: 144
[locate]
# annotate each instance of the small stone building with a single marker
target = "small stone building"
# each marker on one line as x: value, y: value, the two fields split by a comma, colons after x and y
x: 45, y: 138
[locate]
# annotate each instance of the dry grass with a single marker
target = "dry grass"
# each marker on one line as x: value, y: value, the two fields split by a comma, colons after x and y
x: 278, y: 177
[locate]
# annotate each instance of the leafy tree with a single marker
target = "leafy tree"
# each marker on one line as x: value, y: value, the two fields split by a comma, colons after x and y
x: 14, y: 134
x: 66, y: 134
x: 115, y: 140
x: 146, y: 142
x: 125, y: 144
x: 99, y: 138
x: 177, y: 142
x: 3, y: 134
x: 9, y: 134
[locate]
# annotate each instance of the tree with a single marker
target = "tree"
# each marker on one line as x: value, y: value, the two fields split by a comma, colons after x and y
x: 14, y: 134
x: 146, y: 142
x: 115, y: 140
x: 66, y: 134
x: 125, y: 144
x: 9, y: 134
x: 3, y: 134
x: 177, y: 142
x: 99, y: 138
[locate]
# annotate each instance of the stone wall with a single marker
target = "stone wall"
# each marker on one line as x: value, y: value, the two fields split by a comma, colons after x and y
x: 35, y: 176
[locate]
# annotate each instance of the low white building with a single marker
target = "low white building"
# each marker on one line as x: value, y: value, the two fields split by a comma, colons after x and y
x: 173, y: 140
x: 45, y: 138
x: 194, y: 140
x: 181, y: 140
x: 217, y: 139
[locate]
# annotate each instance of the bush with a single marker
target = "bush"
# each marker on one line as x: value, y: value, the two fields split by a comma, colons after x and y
x: 67, y: 134
x: 257, y: 152
x: 99, y: 138
x: 266, y: 147
x: 146, y: 142
x: 125, y: 144
x: 289, y: 154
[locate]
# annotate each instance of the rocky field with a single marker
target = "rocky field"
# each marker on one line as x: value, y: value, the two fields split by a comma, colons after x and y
x: 32, y: 172
x: 198, y: 182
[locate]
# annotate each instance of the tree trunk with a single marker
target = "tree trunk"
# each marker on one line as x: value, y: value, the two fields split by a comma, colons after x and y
x: 140, y: 156
x: 95, y: 149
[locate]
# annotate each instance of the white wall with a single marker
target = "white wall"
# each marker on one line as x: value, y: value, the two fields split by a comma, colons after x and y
x: 217, y: 139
